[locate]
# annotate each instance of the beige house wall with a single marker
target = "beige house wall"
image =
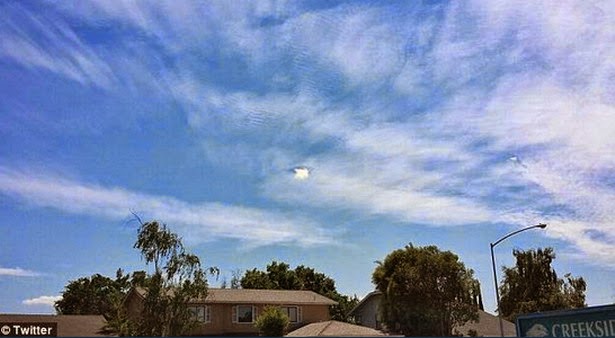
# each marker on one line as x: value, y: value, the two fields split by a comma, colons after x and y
x: 221, y: 315
x: 222, y: 320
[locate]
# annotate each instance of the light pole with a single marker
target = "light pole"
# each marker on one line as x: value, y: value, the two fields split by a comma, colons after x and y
x: 495, y: 276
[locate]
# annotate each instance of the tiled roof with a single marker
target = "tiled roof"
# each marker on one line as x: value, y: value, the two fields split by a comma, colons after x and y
x: 261, y: 296
x: 488, y: 325
x: 334, y: 328
x: 68, y: 325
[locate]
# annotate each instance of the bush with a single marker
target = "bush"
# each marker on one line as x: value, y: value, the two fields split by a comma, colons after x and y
x: 272, y: 322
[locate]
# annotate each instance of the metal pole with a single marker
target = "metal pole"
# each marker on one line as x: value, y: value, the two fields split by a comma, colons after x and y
x: 497, y: 292
x: 495, y: 276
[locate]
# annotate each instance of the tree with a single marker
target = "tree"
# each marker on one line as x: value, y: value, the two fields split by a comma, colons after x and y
x: 256, y: 279
x: 178, y: 277
x: 533, y: 286
x: 315, y: 281
x: 280, y: 276
x: 117, y: 321
x: 101, y: 295
x: 91, y: 295
x: 344, y: 305
x: 426, y: 292
x: 236, y: 279
x: 272, y: 322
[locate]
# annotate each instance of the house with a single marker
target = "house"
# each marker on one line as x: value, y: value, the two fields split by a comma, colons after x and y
x: 333, y: 328
x: 66, y: 325
x: 488, y: 325
x: 234, y: 311
x: 366, y: 313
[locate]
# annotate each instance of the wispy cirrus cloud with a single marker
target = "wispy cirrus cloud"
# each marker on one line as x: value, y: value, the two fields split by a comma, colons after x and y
x: 377, y: 167
x: 196, y: 222
x: 517, y: 88
x: 557, y: 116
x: 18, y: 272
x: 42, y: 300
x: 36, y: 42
x: 412, y: 121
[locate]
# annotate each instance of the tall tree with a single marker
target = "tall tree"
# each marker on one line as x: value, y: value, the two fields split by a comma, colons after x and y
x: 426, y: 292
x: 532, y: 285
x: 280, y: 276
x: 178, y: 277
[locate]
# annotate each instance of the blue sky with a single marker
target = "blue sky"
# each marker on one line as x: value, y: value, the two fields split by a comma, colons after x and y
x: 427, y: 122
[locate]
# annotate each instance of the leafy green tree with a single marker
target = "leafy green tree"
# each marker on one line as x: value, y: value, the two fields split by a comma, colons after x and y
x: 101, y: 295
x: 178, y: 277
x: 256, y: 279
x: 318, y: 282
x: 91, y: 295
x: 532, y: 285
x: 280, y: 276
x: 344, y: 305
x: 272, y: 322
x: 117, y: 321
x: 426, y: 292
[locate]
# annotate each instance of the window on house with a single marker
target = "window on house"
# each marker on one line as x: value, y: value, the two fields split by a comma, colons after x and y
x: 291, y: 311
x: 245, y: 314
x: 207, y: 314
x: 200, y: 313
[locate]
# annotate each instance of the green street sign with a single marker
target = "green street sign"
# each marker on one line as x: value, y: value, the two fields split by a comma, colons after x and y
x: 597, y: 321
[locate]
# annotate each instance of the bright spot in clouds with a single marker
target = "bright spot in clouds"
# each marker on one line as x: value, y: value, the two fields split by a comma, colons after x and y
x: 301, y: 173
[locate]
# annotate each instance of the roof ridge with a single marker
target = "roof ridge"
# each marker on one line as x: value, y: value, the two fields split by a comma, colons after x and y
x: 324, y: 328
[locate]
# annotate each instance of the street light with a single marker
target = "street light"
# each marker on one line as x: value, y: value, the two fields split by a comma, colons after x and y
x: 495, y: 276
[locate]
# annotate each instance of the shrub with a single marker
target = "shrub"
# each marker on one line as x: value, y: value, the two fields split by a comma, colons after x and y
x: 272, y: 322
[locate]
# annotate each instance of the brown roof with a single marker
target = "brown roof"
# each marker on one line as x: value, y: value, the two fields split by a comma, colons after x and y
x: 334, y: 328
x: 68, y: 325
x: 488, y: 325
x: 261, y: 296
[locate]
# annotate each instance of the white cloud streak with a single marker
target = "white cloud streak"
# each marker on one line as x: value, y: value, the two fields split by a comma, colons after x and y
x: 342, y: 186
x: 56, y: 48
x: 18, y: 272
x: 195, y: 222
x: 42, y: 300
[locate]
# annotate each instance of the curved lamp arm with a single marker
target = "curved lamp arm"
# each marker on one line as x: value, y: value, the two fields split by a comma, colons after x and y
x: 541, y: 225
